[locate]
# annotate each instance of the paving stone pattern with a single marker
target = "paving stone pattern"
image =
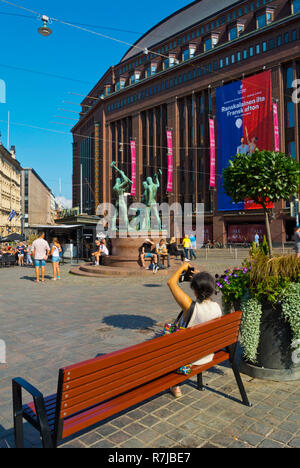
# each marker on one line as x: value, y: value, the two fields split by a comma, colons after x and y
x: 51, y: 325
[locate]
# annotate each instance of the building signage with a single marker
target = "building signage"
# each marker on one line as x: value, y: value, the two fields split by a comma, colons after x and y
x: 276, y: 128
x: 133, y: 168
x: 212, y: 182
x: 170, y: 161
x: 244, y: 124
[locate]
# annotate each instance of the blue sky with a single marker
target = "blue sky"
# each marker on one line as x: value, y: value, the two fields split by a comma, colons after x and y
x: 77, y: 60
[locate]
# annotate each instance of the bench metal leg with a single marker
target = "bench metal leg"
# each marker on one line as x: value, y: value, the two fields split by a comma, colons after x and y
x: 18, y: 417
x: 232, y: 352
x: 200, y: 385
x: 240, y: 385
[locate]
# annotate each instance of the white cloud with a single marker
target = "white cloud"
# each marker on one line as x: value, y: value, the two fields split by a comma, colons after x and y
x: 65, y: 203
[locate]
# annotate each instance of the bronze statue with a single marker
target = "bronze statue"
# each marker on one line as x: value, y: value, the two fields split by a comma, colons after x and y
x: 122, y: 186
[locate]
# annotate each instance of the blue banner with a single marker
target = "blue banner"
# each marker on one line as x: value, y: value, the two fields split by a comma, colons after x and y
x: 230, y: 134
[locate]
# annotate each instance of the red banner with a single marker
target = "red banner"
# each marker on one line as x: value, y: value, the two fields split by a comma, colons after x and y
x: 276, y: 128
x: 133, y: 168
x: 258, y: 118
x: 170, y: 161
x: 212, y: 182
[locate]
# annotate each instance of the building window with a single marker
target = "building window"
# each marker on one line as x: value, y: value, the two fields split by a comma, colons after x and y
x: 292, y: 149
x: 295, y: 6
x: 166, y: 64
x: 291, y: 114
x: 186, y: 55
x: 211, y: 42
x: 265, y: 18
x: 264, y: 47
x: 120, y: 84
x: 289, y: 77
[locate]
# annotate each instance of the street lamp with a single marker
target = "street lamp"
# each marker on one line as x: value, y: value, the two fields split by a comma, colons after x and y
x: 44, y: 30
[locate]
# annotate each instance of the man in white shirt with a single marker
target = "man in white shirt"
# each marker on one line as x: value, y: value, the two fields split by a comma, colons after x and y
x: 41, y: 249
x: 103, y: 251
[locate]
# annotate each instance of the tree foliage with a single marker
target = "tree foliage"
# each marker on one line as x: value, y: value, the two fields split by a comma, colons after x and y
x: 262, y: 177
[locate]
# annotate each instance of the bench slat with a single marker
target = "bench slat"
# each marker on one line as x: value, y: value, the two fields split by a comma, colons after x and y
x: 88, y: 367
x: 102, y: 377
x: 101, y: 394
x: 97, y: 414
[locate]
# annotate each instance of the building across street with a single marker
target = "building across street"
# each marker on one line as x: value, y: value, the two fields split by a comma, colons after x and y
x: 221, y: 70
x: 10, y: 197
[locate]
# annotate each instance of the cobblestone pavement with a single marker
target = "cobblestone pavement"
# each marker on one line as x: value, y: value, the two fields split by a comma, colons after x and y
x: 51, y: 325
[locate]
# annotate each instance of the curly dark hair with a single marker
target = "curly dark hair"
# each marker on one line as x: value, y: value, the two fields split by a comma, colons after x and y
x: 204, y: 286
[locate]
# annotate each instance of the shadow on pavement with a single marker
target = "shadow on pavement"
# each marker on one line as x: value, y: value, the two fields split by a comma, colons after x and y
x: 129, y: 322
x: 152, y: 285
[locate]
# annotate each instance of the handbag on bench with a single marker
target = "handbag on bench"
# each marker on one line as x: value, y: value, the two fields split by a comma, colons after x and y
x: 181, y: 323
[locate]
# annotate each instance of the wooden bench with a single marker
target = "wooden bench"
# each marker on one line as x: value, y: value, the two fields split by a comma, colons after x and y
x: 94, y: 390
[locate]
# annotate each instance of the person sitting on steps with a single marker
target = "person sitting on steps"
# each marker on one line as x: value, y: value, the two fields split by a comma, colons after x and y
x: 146, y: 251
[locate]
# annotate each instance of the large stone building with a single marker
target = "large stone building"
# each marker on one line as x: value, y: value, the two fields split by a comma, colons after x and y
x: 38, y: 205
x: 10, y: 198
x: 169, y: 79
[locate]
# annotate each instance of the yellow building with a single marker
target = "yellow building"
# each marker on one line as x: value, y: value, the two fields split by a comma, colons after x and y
x: 10, y: 191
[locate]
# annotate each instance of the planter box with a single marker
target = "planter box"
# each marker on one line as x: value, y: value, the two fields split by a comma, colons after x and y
x: 274, y: 359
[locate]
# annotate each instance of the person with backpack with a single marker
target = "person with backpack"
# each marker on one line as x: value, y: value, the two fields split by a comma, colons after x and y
x: 55, y: 254
x: 204, y: 308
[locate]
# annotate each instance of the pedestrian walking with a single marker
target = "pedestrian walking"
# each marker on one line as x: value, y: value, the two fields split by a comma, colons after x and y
x: 41, y: 251
x: 186, y: 247
x: 55, y: 254
x: 193, y: 246
x: 20, y: 253
x: 28, y: 252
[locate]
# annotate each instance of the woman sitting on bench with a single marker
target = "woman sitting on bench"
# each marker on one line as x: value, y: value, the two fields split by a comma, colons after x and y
x: 203, y: 286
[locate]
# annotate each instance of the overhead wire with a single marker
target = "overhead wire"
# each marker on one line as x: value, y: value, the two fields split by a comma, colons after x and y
x: 76, y: 26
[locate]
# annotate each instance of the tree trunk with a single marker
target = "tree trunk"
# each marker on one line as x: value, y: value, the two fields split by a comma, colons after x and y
x: 269, y: 237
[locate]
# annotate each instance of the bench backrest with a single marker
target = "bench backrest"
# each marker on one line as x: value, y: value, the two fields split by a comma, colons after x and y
x: 89, y: 383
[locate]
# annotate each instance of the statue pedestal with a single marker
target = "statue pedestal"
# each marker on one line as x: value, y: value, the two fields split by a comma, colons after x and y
x: 125, y: 251
x: 124, y: 259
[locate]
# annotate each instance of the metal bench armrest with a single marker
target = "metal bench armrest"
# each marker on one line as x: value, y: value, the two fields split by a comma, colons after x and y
x: 18, y: 385
x: 23, y: 384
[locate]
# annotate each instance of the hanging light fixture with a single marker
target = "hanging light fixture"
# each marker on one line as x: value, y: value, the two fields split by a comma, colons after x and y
x: 45, y: 30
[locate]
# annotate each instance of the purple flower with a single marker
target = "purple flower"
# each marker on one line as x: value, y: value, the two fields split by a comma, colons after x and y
x: 235, y: 275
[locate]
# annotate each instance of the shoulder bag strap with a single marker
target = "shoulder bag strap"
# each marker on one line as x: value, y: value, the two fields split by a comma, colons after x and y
x: 189, y: 315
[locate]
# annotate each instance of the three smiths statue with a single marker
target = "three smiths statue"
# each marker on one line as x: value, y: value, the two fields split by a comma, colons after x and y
x: 150, y: 210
